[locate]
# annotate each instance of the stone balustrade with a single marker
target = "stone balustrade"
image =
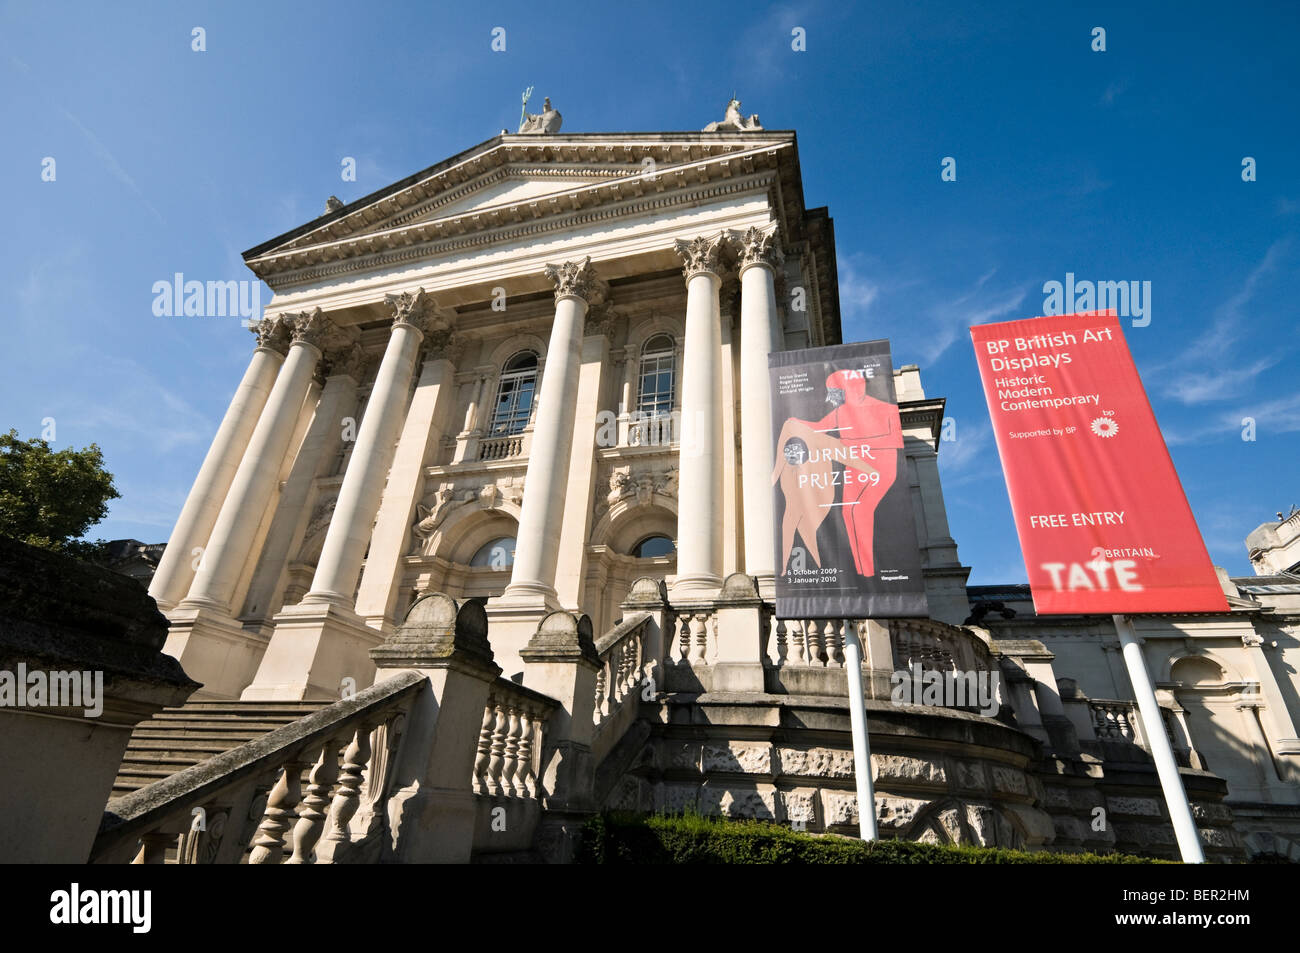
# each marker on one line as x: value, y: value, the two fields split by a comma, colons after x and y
x: 806, y: 642
x: 511, y: 741
x: 500, y: 448
x: 251, y: 802
x: 623, y: 667
x: 696, y: 640
x: 1115, y: 720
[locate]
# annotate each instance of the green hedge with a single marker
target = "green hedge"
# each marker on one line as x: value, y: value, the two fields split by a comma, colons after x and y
x: 690, y: 839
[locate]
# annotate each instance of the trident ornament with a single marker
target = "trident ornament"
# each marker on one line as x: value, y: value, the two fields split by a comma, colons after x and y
x: 523, y: 109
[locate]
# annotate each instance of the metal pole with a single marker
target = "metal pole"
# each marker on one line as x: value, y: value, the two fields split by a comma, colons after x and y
x: 858, y: 720
x: 1180, y: 812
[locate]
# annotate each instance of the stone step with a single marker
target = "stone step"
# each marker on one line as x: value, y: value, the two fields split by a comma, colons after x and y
x: 178, y: 738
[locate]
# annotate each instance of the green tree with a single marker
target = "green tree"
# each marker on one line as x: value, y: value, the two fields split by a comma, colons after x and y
x: 50, y: 498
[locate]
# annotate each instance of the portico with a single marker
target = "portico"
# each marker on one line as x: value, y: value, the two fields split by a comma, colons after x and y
x: 428, y: 402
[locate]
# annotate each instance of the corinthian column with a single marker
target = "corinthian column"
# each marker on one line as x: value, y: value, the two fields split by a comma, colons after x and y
x: 699, y: 495
x: 537, y: 544
x: 175, y: 570
x: 760, y: 334
x: 344, y: 548
x: 254, y: 481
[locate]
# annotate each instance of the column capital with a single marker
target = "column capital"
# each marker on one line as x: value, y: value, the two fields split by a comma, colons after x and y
x: 577, y: 279
x: 758, y: 246
x: 419, y: 311
x: 348, y: 359
x: 601, y: 320
x: 310, y: 327
x: 273, y: 333
x: 443, y: 344
x: 701, y: 255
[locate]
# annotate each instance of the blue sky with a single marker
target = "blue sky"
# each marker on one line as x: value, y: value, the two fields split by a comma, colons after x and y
x: 1116, y: 165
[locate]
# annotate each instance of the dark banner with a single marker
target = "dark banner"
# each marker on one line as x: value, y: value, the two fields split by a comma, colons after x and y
x: 845, y: 536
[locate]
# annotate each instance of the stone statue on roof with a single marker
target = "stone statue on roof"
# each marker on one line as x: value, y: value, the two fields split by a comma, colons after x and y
x: 545, y: 123
x: 733, y: 120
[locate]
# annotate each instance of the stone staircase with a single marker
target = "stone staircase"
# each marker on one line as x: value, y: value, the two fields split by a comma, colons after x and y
x: 179, y: 738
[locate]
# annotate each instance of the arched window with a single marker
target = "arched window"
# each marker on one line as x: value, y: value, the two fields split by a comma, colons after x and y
x: 653, y: 546
x: 496, y: 554
x: 514, y: 401
x: 655, y: 395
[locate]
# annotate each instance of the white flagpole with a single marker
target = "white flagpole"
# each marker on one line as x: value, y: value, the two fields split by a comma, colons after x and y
x: 858, y: 721
x: 1180, y: 811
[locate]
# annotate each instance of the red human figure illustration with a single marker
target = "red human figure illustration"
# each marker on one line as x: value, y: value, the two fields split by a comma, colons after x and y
x: 870, y: 435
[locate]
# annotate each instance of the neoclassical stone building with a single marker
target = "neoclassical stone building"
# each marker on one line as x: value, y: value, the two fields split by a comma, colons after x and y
x: 505, y: 425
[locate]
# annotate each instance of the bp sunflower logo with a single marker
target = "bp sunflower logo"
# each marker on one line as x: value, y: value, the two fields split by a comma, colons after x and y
x: 1105, y: 427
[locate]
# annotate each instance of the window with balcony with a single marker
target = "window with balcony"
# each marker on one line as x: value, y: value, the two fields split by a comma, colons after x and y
x: 514, y: 403
x: 655, y: 393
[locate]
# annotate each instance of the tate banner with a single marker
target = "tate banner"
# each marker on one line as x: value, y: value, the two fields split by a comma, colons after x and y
x: 1102, y: 519
x: 845, y: 537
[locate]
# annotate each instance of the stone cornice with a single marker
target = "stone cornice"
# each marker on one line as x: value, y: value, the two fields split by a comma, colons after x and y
x: 558, y: 155
x: 386, y: 221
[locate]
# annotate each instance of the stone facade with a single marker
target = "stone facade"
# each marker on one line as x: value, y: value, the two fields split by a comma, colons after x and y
x: 533, y: 377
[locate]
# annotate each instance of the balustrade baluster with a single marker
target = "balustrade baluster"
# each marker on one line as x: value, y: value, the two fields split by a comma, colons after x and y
x: 700, y: 637
x: 794, y: 630
x: 484, y: 748
x: 348, y: 796
x: 834, y: 644
x: 814, y: 632
x: 511, y: 764
x: 311, y: 816
x: 602, y: 706
x: 525, y: 777
x: 497, y: 759
x: 268, y: 845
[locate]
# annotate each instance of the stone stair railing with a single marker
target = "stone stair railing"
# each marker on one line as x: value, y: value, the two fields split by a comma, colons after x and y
x: 623, y: 666
x: 250, y: 803
x: 511, y: 741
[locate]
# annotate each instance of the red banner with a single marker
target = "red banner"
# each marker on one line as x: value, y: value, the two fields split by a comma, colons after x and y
x: 1102, y: 519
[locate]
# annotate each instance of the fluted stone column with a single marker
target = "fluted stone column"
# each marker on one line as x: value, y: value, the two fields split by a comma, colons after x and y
x: 699, y: 506
x: 254, y: 481
x: 537, y: 544
x: 213, y: 647
x: 342, y: 371
x: 531, y: 592
x: 760, y: 334
x: 344, y: 548
x: 320, y: 646
x: 171, y: 581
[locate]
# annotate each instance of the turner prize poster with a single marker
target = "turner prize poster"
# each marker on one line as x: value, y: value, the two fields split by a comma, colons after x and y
x: 845, y: 536
x: 1102, y: 518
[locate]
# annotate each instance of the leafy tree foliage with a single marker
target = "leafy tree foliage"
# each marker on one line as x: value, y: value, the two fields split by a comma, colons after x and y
x: 50, y: 498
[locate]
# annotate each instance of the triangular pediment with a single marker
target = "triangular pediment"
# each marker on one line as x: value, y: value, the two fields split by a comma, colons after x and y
x: 520, y: 178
